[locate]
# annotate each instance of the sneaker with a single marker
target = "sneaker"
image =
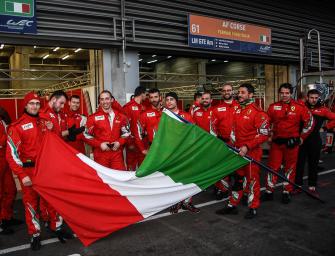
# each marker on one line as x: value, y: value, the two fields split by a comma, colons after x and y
x: 190, y: 207
x: 5, y: 230
x: 35, y: 243
x: 62, y: 235
x: 228, y: 210
x: 219, y: 195
x: 286, y: 198
x: 252, y: 213
x: 12, y: 222
x: 313, y: 191
x: 267, y: 196
x: 175, y: 208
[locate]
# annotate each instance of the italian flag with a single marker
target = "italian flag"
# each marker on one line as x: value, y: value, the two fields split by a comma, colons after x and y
x: 17, y: 7
x: 264, y: 39
x: 96, y: 201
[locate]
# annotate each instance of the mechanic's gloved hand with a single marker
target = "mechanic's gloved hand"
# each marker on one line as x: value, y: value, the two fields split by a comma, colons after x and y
x: 79, y: 130
x: 72, y: 135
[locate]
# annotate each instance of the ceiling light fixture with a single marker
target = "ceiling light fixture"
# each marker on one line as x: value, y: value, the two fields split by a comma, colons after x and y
x: 154, y: 55
x: 65, y: 57
x: 56, y: 49
x: 46, y: 56
x: 152, y: 61
x: 140, y: 59
x: 77, y: 50
x: 2, y: 46
x: 213, y: 60
x: 35, y: 46
x: 168, y: 57
x: 226, y: 61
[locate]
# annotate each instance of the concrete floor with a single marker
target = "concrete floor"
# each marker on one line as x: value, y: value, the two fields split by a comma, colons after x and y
x: 303, y: 227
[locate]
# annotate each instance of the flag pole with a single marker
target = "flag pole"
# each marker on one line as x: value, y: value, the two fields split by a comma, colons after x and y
x: 268, y: 169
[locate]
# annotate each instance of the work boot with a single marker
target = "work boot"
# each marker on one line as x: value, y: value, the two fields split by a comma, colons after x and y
x: 252, y: 213
x: 244, y: 200
x: 175, y: 208
x: 62, y: 235
x: 12, y: 222
x: 267, y: 196
x: 219, y: 195
x: 5, y: 230
x: 190, y: 207
x: 35, y: 243
x: 228, y: 210
x: 286, y: 198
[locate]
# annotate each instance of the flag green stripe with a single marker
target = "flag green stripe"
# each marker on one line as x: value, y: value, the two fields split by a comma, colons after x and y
x: 188, y: 154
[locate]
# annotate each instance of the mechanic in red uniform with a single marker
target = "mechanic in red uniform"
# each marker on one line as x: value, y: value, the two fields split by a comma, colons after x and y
x: 23, y: 143
x: 133, y: 110
x: 196, y: 103
x: 171, y: 100
x: 149, y: 121
x: 76, y: 120
x: 7, y: 184
x: 286, y: 118
x: 222, y: 119
x: 250, y: 129
x: 311, y: 148
x: 107, y: 132
x: 202, y: 116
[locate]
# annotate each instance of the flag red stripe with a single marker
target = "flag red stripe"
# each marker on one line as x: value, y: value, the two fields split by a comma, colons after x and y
x: 76, y: 191
x: 26, y: 8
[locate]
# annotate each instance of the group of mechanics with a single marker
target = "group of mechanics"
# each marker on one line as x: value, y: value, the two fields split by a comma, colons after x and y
x: 120, y: 137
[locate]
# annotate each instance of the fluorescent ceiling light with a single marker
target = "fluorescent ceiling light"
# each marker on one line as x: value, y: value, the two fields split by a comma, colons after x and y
x: 78, y: 50
x: 226, y: 61
x: 65, y: 57
x: 140, y: 59
x: 152, y: 61
x: 56, y: 49
x: 2, y: 46
x: 46, y: 56
x: 35, y: 46
x: 168, y: 57
x: 213, y: 60
x: 154, y: 55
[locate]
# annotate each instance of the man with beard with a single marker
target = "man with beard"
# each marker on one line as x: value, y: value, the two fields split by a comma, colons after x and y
x: 133, y: 110
x: 250, y: 129
x: 75, y: 120
x: 24, y: 141
x: 222, y: 121
x: 311, y: 147
x: 107, y: 132
x: 171, y: 100
x: 149, y: 121
x: 291, y: 124
x: 202, y: 116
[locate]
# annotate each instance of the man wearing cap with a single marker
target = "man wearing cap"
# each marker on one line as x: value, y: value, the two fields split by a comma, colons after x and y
x: 24, y: 140
x: 171, y: 100
x: 107, y: 131
x: 311, y: 147
x: 133, y: 110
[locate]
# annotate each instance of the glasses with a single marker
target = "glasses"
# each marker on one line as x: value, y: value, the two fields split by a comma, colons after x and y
x: 34, y: 104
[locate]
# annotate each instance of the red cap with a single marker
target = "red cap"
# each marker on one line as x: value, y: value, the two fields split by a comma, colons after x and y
x: 31, y: 96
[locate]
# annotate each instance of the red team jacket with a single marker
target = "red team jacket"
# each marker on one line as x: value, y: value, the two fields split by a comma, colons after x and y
x: 75, y: 118
x: 250, y: 126
x: 285, y: 119
x: 203, y: 118
x: 24, y: 140
x: 222, y: 116
x: 58, y: 119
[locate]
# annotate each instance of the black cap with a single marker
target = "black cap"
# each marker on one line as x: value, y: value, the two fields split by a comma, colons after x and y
x: 172, y: 94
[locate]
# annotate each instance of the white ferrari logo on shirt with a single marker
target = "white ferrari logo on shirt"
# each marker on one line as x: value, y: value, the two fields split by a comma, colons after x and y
x: 134, y: 108
x: 198, y: 113
x: 277, y: 107
x: 222, y: 109
x: 27, y: 126
x: 99, y: 118
x: 151, y: 114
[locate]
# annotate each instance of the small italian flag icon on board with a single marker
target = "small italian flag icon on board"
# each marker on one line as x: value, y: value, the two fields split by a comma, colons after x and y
x: 17, y: 7
x: 264, y: 39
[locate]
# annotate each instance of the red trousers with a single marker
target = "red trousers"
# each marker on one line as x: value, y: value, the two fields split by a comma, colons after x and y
x: 281, y: 154
x: 110, y: 159
x: 223, y: 184
x: 7, y: 191
x: 30, y: 200
x: 134, y: 158
x: 247, y: 179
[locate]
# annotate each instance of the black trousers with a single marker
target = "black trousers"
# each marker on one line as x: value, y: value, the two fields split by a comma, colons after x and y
x: 309, y: 152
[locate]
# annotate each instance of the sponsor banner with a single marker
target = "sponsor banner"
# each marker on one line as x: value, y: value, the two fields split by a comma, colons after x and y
x: 228, y: 35
x: 18, y: 16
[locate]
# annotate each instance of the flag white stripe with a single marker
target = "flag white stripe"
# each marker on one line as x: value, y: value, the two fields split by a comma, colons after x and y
x: 18, y: 7
x: 149, y: 194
